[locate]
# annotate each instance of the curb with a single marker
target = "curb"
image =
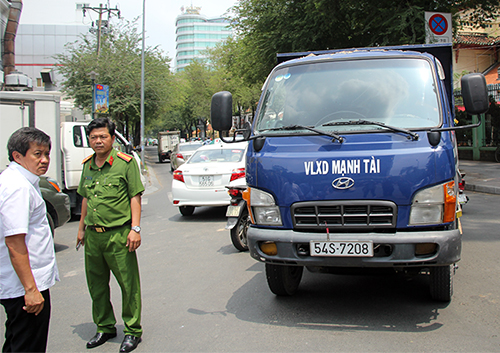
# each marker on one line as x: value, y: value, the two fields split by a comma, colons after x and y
x: 482, y: 188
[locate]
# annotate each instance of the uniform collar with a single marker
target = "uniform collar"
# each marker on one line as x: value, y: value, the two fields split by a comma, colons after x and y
x: 32, y: 178
x: 110, y: 160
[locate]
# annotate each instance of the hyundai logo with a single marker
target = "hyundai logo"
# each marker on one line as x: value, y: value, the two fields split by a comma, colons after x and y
x: 343, y: 183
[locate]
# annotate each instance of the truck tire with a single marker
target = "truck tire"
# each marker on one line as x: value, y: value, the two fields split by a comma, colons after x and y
x: 283, y: 280
x: 160, y: 159
x: 441, y: 282
x: 186, y: 210
x: 239, y: 232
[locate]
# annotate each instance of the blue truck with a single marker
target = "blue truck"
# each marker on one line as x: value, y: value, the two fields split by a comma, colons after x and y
x: 352, y: 164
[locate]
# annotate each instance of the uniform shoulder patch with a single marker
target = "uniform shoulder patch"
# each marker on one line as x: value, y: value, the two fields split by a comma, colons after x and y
x: 87, y: 159
x: 126, y: 157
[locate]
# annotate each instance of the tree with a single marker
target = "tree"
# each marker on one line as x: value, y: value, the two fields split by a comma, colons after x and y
x: 267, y: 27
x: 119, y: 66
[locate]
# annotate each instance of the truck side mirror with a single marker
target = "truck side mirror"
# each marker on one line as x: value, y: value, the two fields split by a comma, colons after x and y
x: 221, y: 111
x: 475, y: 93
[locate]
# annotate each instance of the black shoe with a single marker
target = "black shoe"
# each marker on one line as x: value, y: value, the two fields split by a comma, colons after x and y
x: 130, y: 343
x: 99, y: 338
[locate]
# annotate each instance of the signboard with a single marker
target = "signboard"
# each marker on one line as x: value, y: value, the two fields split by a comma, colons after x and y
x: 101, y: 99
x: 438, y: 27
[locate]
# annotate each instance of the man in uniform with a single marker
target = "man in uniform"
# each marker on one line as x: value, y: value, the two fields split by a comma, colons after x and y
x: 110, y: 230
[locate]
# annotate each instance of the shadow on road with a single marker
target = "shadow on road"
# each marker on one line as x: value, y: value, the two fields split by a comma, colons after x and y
x: 341, y: 303
x: 202, y: 214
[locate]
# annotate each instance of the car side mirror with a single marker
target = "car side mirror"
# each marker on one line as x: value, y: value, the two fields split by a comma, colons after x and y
x: 221, y: 111
x: 475, y: 93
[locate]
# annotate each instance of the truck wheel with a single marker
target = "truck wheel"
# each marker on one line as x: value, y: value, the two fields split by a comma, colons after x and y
x: 283, y: 280
x: 441, y: 284
x: 186, y: 210
x: 239, y: 232
x: 160, y: 159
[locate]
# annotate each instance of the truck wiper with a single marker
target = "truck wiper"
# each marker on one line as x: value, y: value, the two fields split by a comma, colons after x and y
x: 411, y: 135
x: 296, y: 127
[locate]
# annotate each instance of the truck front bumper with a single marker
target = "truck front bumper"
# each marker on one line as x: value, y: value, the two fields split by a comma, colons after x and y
x: 396, y: 249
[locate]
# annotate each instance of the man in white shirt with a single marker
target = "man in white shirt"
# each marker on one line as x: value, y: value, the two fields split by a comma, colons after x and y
x: 27, y: 256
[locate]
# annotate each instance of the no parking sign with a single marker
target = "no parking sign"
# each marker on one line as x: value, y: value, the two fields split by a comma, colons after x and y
x: 438, y: 27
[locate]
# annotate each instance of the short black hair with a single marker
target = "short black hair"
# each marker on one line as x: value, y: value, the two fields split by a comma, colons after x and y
x: 102, y: 122
x: 21, y: 140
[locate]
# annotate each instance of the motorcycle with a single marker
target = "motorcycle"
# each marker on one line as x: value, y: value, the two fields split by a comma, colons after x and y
x: 462, y: 198
x: 238, y: 219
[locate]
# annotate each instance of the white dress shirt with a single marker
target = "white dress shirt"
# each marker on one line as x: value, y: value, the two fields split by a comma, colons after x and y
x: 23, y: 211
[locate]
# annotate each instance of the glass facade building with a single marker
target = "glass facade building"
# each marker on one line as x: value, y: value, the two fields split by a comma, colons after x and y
x: 195, y: 33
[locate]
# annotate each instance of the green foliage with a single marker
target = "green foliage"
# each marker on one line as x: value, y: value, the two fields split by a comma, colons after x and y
x: 119, y: 66
x: 267, y: 27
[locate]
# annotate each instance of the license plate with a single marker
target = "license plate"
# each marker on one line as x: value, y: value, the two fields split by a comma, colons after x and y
x: 207, y: 180
x: 342, y: 248
x: 233, y: 211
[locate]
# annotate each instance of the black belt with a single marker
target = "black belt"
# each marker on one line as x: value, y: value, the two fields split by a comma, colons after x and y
x: 100, y: 229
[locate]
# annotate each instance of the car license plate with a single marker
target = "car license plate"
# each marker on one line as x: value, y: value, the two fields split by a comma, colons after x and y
x: 233, y: 211
x: 342, y: 248
x: 207, y: 180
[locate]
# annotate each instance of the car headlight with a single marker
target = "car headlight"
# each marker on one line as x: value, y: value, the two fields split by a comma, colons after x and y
x: 434, y: 205
x: 263, y: 209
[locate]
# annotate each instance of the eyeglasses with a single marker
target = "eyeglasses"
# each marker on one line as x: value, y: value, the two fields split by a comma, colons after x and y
x: 101, y: 137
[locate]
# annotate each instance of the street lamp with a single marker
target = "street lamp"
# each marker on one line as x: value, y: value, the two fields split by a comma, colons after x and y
x: 93, y: 75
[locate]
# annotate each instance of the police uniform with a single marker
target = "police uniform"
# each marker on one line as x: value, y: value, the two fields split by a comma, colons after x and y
x: 108, y: 190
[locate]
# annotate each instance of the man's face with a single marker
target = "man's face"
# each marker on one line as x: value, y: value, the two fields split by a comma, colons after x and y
x: 101, y: 141
x: 37, y: 159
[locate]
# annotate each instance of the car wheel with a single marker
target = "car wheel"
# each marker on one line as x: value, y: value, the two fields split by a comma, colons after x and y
x: 441, y: 282
x: 283, y: 280
x: 239, y: 232
x: 186, y: 210
x: 51, y: 224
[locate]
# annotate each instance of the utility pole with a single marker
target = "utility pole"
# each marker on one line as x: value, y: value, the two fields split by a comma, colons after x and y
x: 100, y: 11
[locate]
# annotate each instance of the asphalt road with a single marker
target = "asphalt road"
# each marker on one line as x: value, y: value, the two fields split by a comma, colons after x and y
x: 201, y: 295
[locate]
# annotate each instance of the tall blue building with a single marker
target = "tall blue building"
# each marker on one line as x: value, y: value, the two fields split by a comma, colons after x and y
x: 195, y: 33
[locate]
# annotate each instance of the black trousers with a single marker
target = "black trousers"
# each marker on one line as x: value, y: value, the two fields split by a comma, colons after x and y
x: 26, y: 332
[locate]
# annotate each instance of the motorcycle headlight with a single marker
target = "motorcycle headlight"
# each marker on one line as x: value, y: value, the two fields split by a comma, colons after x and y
x: 264, y: 210
x: 434, y: 205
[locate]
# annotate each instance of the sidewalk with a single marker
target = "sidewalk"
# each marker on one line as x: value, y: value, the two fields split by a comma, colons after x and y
x: 481, y: 176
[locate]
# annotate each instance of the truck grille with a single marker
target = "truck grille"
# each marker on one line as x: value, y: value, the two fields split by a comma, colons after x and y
x: 344, y: 214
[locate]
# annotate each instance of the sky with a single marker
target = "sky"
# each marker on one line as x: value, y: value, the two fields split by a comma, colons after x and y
x: 160, y: 15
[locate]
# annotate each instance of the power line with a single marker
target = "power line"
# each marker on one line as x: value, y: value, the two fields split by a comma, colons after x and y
x: 100, y: 11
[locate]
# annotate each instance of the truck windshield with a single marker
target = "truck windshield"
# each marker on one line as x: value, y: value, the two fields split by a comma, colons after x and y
x: 398, y: 92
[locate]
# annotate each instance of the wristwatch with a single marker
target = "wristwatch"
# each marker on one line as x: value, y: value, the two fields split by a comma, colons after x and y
x: 136, y: 229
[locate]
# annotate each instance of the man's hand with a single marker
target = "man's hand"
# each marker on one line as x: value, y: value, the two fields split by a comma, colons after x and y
x: 33, y: 301
x: 80, y: 238
x: 133, y: 241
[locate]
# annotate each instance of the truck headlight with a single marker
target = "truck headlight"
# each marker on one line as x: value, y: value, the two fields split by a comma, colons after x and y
x: 263, y: 209
x: 434, y: 205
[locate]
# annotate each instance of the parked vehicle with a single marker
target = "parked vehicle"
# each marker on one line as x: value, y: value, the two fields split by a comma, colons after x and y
x: 69, y: 139
x: 238, y: 219
x: 462, y: 198
x: 166, y: 143
x: 352, y: 164
x: 201, y: 181
x: 181, y: 153
x: 57, y: 202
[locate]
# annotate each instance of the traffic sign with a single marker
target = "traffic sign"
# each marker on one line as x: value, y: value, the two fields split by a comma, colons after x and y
x: 438, y: 27
x: 438, y: 24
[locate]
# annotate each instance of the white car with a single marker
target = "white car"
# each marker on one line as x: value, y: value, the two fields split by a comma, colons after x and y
x: 202, y: 180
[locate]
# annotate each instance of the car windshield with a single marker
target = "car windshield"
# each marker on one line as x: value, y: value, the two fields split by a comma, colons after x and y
x: 189, y: 147
x: 217, y: 155
x: 334, y: 95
